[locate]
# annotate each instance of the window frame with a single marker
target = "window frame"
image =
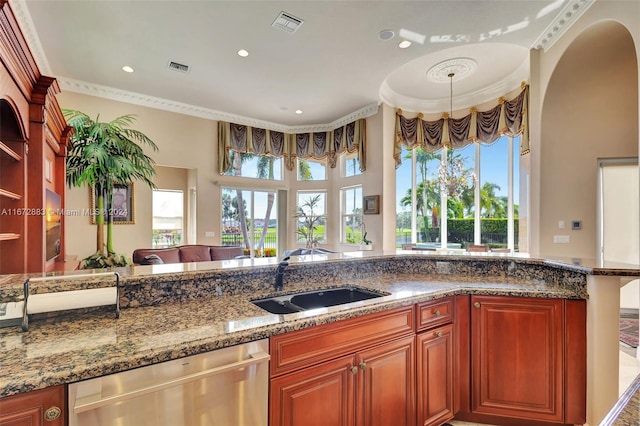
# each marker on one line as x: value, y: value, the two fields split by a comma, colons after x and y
x: 344, y: 216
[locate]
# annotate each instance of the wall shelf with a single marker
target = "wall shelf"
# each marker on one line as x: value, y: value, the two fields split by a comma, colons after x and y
x: 9, y: 236
x: 9, y: 194
x: 11, y: 153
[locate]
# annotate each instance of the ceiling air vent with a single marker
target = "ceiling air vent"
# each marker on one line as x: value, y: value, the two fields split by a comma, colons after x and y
x: 287, y: 22
x: 178, y: 67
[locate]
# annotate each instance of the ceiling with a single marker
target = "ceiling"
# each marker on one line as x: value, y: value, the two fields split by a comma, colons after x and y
x: 335, y: 67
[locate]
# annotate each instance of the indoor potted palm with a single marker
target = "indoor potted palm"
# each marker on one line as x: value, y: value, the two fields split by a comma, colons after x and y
x: 100, y: 155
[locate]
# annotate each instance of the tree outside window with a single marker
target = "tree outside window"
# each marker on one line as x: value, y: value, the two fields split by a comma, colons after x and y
x: 351, y: 213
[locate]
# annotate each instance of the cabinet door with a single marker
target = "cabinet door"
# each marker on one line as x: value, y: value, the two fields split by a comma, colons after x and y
x: 386, y: 384
x: 435, y: 376
x: 517, y: 363
x: 41, y: 407
x: 323, y: 394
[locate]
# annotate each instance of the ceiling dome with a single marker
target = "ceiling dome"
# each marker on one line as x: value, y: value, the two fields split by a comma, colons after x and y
x: 483, y: 72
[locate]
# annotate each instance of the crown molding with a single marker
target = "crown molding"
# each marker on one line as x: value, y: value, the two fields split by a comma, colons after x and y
x: 106, y: 92
x: 21, y: 12
x: 567, y: 16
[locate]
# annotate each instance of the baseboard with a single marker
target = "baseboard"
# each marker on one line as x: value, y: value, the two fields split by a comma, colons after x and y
x: 629, y: 313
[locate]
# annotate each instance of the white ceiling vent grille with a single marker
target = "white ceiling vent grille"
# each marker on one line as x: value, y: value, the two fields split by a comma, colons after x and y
x: 175, y: 66
x: 287, y: 22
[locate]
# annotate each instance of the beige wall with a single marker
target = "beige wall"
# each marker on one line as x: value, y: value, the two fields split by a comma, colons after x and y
x: 584, y: 107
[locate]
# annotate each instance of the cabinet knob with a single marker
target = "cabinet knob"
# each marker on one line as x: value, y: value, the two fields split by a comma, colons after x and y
x: 476, y: 304
x: 437, y: 312
x: 52, y: 413
x: 363, y: 365
x: 439, y: 334
x: 354, y: 370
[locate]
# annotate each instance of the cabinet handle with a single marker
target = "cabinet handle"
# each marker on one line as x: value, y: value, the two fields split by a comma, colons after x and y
x: 354, y: 370
x: 363, y: 365
x: 52, y: 413
x: 439, y: 334
x: 476, y: 304
x: 437, y: 312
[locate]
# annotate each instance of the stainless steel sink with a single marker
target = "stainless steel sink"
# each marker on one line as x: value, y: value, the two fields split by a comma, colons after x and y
x: 314, y: 299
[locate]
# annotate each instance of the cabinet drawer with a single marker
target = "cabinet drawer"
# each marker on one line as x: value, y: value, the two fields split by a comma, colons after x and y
x: 316, y: 344
x: 435, y: 312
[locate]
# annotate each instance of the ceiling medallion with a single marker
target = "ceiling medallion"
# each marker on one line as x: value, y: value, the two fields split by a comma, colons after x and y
x: 460, y: 67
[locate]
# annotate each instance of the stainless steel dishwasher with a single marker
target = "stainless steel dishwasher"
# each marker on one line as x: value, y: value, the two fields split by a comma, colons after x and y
x: 226, y: 387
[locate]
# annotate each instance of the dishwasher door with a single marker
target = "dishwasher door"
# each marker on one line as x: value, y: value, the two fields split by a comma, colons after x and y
x: 226, y: 387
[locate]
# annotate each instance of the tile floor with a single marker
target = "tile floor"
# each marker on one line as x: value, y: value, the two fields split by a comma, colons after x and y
x: 629, y: 369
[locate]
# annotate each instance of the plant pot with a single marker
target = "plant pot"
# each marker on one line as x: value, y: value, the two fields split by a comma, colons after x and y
x: 366, y: 247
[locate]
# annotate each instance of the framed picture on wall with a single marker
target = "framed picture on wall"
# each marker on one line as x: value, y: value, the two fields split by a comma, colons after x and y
x: 371, y: 204
x: 123, y: 209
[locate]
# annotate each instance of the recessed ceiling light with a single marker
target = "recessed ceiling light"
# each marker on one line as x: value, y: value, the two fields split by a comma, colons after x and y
x: 243, y: 53
x: 127, y: 68
x: 404, y: 44
x: 386, y: 34
x: 298, y: 111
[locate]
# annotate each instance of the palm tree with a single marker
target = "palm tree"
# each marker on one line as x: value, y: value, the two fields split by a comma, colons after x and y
x: 304, y: 170
x: 236, y: 160
x: 265, y: 171
x: 489, y: 202
x: 102, y: 154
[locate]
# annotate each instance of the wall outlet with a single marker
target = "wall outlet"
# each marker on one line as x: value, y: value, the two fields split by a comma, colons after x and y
x: 561, y: 239
x: 210, y: 234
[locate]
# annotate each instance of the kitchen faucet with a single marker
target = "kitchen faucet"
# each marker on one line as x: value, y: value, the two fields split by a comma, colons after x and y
x: 280, y: 273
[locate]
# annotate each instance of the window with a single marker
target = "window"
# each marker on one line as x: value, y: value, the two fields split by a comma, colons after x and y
x: 167, y: 223
x: 312, y: 170
x: 350, y: 164
x: 483, y: 212
x: 248, y: 220
x: 351, y: 211
x: 311, y: 214
x: 255, y: 166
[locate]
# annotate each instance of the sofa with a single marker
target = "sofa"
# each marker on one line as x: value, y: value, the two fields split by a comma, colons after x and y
x: 184, y: 254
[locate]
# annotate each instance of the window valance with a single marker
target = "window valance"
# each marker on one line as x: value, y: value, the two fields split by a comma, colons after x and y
x: 506, y: 118
x: 290, y: 146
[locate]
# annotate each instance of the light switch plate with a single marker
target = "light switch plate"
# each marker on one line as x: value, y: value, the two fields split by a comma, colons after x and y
x: 561, y: 239
x: 209, y: 234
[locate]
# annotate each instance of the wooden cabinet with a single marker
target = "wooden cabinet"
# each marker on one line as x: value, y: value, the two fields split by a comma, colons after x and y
x: 322, y: 394
x: 359, y: 371
x: 386, y: 384
x: 435, y: 362
x: 522, y: 365
x: 435, y: 376
x: 33, y: 139
x: 44, y: 407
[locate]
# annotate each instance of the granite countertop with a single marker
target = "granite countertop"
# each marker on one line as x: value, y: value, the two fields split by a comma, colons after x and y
x: 173, y: 311
x: 626, y: 412
x: 82, y: 346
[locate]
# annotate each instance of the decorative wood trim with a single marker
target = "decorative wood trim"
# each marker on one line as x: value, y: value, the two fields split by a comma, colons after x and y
x: 11, y: 153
